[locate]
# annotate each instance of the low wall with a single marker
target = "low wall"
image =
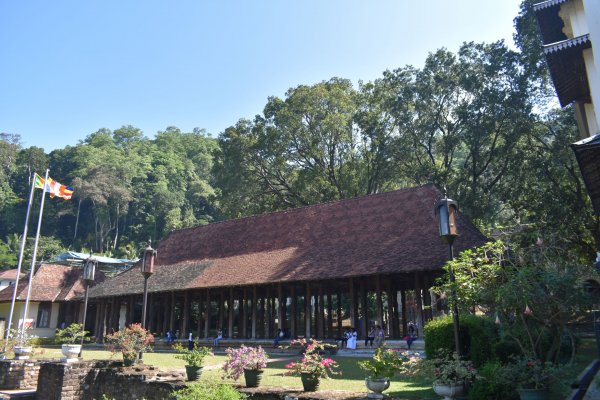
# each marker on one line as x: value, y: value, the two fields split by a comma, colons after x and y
x: 95, y: 379
x: 19, y: 374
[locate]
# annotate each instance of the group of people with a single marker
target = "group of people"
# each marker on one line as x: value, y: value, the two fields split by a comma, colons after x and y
x: 376, y: 335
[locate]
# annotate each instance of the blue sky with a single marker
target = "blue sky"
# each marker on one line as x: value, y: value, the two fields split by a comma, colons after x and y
x: 69, y: 68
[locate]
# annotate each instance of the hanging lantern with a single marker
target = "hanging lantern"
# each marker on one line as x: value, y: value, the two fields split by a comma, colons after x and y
x: 497, y: 319
x: 148, y: 257
x: 89, y: 269
x: 527, y: 310
x: 445, y: 211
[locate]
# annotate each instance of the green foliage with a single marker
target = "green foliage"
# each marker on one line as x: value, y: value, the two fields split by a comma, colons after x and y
x: 208, y: 391
x: 8, y: 259
x: 384, y: 363
x: 193, y: 357
x: 72, y: 334
x: 477, y: 337
x: 496, y: 383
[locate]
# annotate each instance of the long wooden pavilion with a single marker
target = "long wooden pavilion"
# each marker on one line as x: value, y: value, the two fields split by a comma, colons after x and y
x: 313, y: 271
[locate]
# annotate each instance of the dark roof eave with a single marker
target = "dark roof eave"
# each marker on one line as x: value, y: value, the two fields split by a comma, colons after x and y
x: 587, y: 153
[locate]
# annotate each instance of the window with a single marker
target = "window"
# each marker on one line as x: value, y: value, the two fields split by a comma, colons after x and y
x: 43, y: 316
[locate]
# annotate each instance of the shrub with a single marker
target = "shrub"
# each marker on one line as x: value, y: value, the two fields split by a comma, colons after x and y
x: 244, y: 358
x: 495, y: 384
x: 477, y: 337
x: 194, y: 357
x: 130, y: 341
x: 72, y: 334
x: 384, y: 363
x: 208, y: 391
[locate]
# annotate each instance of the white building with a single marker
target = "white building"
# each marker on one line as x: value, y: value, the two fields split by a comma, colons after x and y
x: 8, y: 278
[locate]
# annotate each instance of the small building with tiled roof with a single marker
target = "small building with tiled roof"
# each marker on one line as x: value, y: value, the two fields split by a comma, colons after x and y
x: 56, y: 296
x: 310, y: 271
x: 8, y: 278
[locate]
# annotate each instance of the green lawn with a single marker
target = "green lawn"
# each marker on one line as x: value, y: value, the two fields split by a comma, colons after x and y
x: 351, y: 377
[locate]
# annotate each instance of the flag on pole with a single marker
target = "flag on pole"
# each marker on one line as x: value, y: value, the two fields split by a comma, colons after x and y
x: 53, y: 187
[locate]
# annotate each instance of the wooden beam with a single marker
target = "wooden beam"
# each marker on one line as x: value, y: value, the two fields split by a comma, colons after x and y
x: 269, y: 313
x: 172, y: 313
x: 307, y: 311
x: 230, y: 306
x: 364, y: 308
x: 390, y: 309
x: 186, y: 314
x: 404, y: 321
x: 280, y: 307
x: 221, y: 308
x: 352, y: 296
x: 379, y: 300
x: 199, y: 319
x: 320, y: 313
x: 339, y: 313
x: 244, y: 333
x: 329, y: 316
x: 419, y: 303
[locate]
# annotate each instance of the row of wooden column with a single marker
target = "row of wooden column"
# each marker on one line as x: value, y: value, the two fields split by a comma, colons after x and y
x: 258, y: 311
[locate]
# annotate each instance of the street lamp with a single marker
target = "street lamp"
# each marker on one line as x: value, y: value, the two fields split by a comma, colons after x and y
x: 89, y: 272
x: 445, y: 211
x: 147, y: 270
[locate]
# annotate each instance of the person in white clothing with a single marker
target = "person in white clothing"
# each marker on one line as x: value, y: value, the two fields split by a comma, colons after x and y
x: 352, y: 339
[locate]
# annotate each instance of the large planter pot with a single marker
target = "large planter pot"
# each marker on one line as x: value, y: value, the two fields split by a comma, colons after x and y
x: 71, y: 352
x: 310, y: 382
x: 22, y: 352
x: 377, y: 386
x: 193, y: 372
x: 252, y: 377
x: 449, y: 391
x: 533, y: 394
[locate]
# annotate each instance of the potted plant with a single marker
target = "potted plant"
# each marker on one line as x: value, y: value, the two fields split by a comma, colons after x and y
x: 532, y: 377
x: 313, y: 366
x: 381, y: 368
x: 21, y: 342
x: 249, y: 361
x: 193, y: 358
x: 452, y: 375
x: 70, y: 338
x: 130, y: 341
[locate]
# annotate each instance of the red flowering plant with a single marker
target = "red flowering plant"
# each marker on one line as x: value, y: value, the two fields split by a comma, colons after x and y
x: 531, y: 373
x: 130, y: 341
x: 312, y: 361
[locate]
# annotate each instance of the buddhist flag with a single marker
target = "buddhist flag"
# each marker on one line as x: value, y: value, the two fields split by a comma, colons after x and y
x: 53, y: 187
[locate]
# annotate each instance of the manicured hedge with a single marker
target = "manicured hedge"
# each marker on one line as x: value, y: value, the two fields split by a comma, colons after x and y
x: 478, y: 335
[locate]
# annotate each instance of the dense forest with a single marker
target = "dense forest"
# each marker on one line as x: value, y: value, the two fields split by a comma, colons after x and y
x: 481, y: 122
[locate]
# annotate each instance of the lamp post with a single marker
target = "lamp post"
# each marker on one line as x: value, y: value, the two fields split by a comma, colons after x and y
x: 89, y: 272
x: 445, y: 211
x: 147, y: 269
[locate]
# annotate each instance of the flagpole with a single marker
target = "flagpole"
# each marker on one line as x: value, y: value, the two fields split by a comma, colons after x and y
x: 35, y: 246
x: 23, y: 240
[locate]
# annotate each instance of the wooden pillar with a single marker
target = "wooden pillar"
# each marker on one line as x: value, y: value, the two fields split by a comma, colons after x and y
x: 396, y: 320
x: 160, y: 305
x: 329, y: 316
x: 390, y: 310
x: 172, y: 313
x: 186, y: 314
x: 307, y: 311
x: 98, y: 320
x: 221, y: 308
x: 130, y: 310
x: 352, y: 302
x: 199, y: 320
x: 430, y: 299
x: 339, y: 313
x: 419, y: 301
x: 244, y: 333
x: 152, y: 313
x: 230, y: 305
x: 379, y: 300
x: 320, y: 314
x: 166, y: 311
x: 207, y: 316
x: 293, y: 311
x: 280, y: 305
x: 362, y: 293
x: 404, y: 321
x: 114, y: 315
x: 253, y: 313
x: 269, y: 313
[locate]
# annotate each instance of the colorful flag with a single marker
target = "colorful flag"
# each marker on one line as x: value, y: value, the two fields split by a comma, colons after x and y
x: 53, y: 187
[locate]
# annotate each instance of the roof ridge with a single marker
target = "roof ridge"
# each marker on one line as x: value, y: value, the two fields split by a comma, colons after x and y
x: 296, y: 209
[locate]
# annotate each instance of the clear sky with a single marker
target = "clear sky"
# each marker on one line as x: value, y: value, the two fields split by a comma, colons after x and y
x: 69, y: 68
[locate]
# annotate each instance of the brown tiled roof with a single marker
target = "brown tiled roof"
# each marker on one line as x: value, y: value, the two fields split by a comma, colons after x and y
x: 9, y: 274
x: 385, y: 233
x: 51, y: 283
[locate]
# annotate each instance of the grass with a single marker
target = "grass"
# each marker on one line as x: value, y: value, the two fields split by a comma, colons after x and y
x: 350, y: 379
